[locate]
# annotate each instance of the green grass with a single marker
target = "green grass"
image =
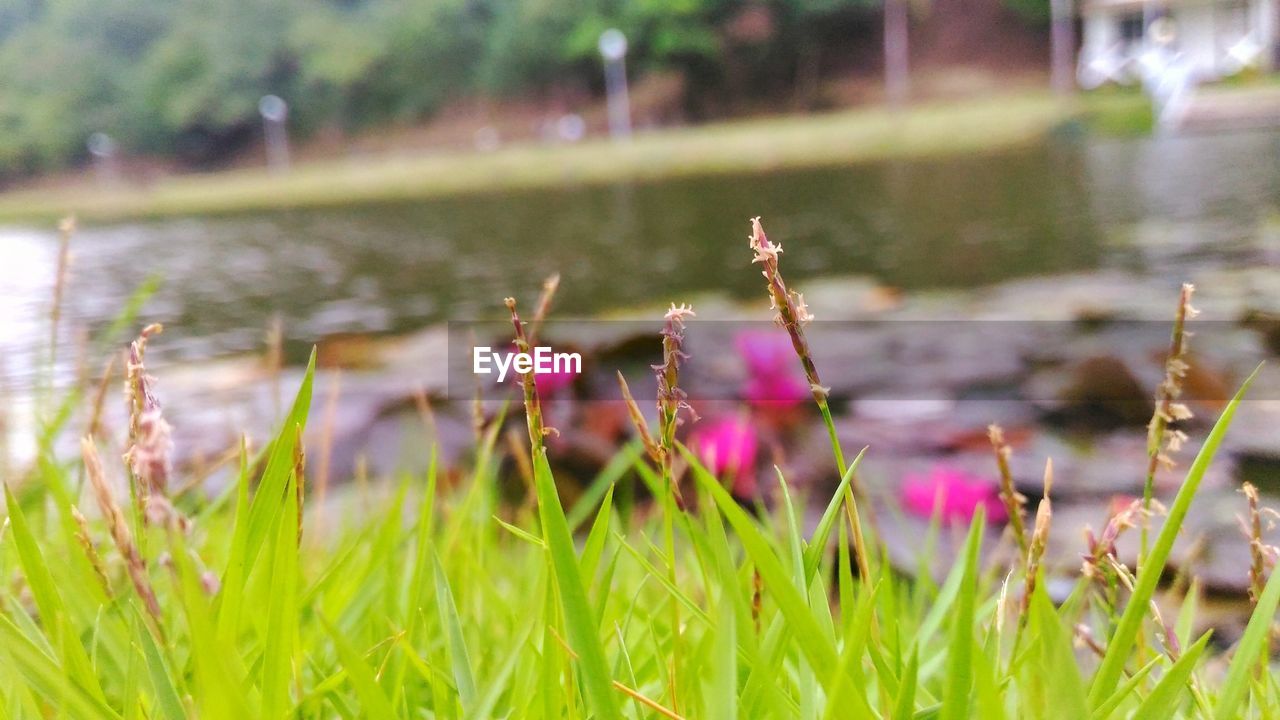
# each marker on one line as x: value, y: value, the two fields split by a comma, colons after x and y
x: 436, y: 599
x: 743, y: 146
x: 451, y: 613
x: 1118, y: 112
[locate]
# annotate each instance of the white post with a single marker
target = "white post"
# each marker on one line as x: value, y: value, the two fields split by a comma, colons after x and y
x: 103, y: 149
x: 274, y: 111
x: 613, y: 48
x: 1062, y: 45
x: 896, y: 53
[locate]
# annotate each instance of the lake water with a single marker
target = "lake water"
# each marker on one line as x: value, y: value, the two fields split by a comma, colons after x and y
x: 1067, y: 205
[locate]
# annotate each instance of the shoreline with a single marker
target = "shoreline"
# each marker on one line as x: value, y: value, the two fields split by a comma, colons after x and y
x: 832, y: 139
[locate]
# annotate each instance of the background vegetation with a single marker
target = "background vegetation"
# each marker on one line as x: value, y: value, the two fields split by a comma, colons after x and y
x: 184, y: 78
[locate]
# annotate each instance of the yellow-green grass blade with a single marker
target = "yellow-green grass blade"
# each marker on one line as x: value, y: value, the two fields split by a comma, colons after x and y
x: 1248, y: 651
x: 47, y: 679
x: 579, y: 618
x: 1053, y: 664
x: 795, y: 606
x: 168, y: 700
x: 958, y: 687
x: 48, y: 600
x: 822, y: 533
x: 1121, y: 643
x: 904, y: 706
x: 253, y: 525
x: 373, y: 700
x: 1127, y: 688
x: 721, y: 697
x: 282, y: 609
x: 459, y: 657
x: 1163, y: 700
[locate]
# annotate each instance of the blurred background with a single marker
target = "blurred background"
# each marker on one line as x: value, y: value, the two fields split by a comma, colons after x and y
x: 316, y: 161
x: 355, y: 174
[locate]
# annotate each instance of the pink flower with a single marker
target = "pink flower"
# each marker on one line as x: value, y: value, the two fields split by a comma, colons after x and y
x: 773, y: 378
x: 955, y: 494
x: 550, y: 383
x: 728, y: 448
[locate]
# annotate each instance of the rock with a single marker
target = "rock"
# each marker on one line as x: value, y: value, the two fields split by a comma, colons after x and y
x: 1099, y: 390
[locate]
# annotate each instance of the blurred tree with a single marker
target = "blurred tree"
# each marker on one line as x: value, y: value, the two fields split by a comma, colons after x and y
x: 202, y: 80
x: 524, y: 44
x: 69, y: 67
x: 430, y: 52
x: 184, y: 77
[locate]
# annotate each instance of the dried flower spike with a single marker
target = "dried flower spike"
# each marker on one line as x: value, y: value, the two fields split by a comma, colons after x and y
x: 1261, y: 554
x: 90, y: 550
x: 532, y: 404
x: 549, y: 287
x: 671, y: 398
x: 1160, y: 443
x: 792, y: 315
x: 637, y: 420
x: 791, y: 312
x: 1103, y: 546
x: 150, y: 443
x: 1014, y: 501
x: 120, y: 533
x: 1040, y: 535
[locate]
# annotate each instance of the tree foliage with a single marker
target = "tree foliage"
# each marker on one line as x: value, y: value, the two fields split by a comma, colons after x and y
x: 183, y: 77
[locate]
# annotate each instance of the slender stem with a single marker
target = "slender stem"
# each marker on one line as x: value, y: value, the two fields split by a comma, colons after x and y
x: 850, y: 498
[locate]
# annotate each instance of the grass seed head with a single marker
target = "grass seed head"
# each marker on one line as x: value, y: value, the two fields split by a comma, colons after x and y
x: 1262, y: 555
x: 532, y: 404
x: 638, y: 421
x: 150, y: 437
x: 1039, y: 535
x: 1014, y: 501
x: 791, y: 312
x: 119, y: 528
x: 671, y: 397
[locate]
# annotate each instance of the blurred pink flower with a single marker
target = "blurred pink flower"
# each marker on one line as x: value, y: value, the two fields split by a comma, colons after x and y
x: 955, y: 494
x: 728, y: 447
x: 773, y: 378
x: 550, y: 383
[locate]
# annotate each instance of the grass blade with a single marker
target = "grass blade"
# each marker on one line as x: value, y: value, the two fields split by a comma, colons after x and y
x: 372, y: 698
x: 579, y: 618
x: 1248, y: 651
x: 1122, y: 641
x: 463, y: 675
x: 813, y: 643
x: 1163, y: 699
x: 818, y: 542
x: 959, y: 680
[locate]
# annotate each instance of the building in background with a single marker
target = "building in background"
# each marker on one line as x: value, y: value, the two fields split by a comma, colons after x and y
x: 1128, y: 41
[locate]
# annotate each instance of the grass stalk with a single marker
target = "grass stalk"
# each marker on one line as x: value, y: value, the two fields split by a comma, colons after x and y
x: 792, y: 314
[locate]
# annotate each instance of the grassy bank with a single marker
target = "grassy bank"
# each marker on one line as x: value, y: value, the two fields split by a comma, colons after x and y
x: 744, y: 146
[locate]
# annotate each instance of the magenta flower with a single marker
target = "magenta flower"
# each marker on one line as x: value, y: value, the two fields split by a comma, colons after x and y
x: 551, y: 383
x: 772, y: 377
x: 728, y: 447
x: 955, y: 494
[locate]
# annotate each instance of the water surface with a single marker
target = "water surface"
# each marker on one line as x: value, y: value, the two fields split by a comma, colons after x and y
x: 1066, y: 205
